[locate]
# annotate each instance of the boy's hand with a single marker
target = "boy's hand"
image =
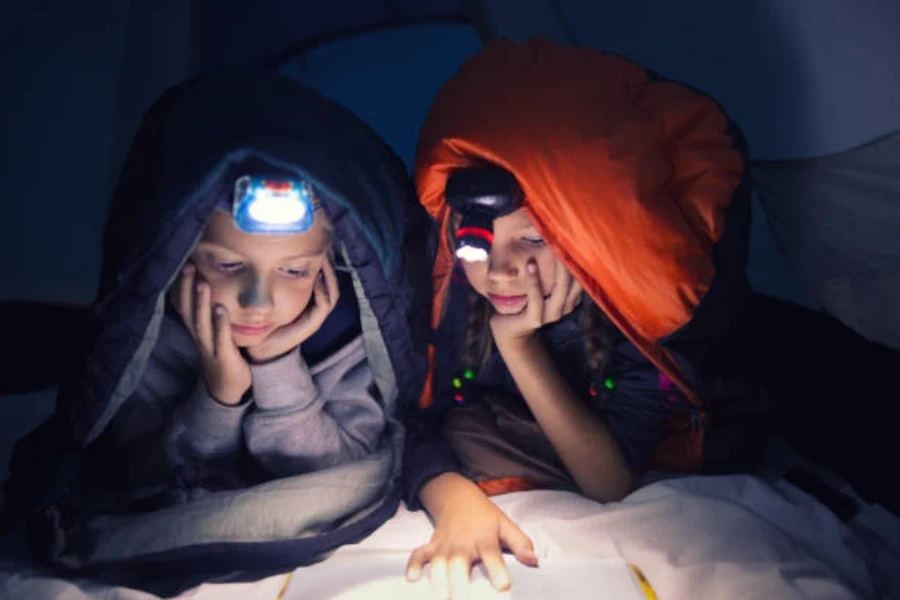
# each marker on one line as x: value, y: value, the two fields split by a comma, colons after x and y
x: 287, y: 337
x: 539, y: 310
x: 225, y: 372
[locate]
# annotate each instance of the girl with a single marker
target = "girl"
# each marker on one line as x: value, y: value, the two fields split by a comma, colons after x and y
x: 599, y: 217
x: 235, y: 404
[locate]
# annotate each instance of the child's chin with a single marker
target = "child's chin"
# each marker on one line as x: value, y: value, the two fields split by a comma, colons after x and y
x: 248, y: 341
x: 510, y: 310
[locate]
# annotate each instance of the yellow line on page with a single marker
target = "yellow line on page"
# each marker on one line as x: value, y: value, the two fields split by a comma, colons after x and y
x: 287, y: 582
x: 645, y: 585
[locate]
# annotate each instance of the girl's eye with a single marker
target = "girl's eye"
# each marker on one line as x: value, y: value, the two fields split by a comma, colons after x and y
x: 295, y: 273
x: 228, y: 267
x: 535, y: 242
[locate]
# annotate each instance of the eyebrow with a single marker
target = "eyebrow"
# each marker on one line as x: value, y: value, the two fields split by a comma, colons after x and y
x: 311, y: 254
x: 219, y: 247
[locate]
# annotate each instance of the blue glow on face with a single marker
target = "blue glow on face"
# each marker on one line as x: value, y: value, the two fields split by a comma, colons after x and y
x: 272, y: 205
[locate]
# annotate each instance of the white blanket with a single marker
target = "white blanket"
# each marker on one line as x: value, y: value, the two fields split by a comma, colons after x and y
x: 697, y: 537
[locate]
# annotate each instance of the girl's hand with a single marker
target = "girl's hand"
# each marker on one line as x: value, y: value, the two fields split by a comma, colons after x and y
x: 469, y: 528
x: 225, y: 372
x: 539, y: 310
x: 326, y: 293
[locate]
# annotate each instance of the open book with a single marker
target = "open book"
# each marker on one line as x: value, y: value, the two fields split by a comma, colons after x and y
x: 376, y: 576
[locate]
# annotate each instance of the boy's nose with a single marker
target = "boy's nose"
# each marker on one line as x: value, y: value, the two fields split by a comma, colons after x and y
x: 256, y: 295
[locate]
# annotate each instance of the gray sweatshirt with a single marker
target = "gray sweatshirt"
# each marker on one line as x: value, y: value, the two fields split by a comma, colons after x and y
x: 297, y: 418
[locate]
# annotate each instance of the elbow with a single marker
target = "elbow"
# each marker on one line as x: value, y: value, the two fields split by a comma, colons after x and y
x: 353, y: 450
x: 364, y: 439
x: 610, y: 488
x: 356, y: 447
x: 605, y: 494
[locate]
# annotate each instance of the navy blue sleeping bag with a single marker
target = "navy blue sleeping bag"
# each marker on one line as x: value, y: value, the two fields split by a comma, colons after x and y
x: 384, y: 241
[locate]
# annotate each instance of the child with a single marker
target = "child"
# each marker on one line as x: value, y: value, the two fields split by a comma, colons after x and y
x: 261, y: 323
x: 600, y: 218
x: 245, y: 302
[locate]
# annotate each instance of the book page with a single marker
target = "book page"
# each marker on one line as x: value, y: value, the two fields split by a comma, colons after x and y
x: 371, y: 576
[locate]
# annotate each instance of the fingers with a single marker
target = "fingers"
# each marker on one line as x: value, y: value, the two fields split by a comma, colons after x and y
x: 573, y: 298
x: 203, y: 317
x: 225, y: 348
x: 325, y: 296
x: 331, y: 282
x: 534, y: 310
x: 439, y: 580
x: 458, y: 568
x: 492, y: 559
x: 184, y: 296
x: 449, y: 572
x: 325, y: 293
x: 417, y: 560
x: 554, y: 305
x: 518, y: 543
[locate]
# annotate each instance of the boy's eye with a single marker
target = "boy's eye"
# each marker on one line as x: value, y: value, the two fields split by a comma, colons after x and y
x: 228, y: 267
x: 295, y: 273
x: 535, y: 242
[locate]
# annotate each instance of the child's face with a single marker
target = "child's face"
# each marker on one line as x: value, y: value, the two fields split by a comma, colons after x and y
x: 501, y: 278
x: 265, y: 281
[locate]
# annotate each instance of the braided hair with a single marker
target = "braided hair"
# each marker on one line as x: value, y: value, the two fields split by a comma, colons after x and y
x: 477, y: 345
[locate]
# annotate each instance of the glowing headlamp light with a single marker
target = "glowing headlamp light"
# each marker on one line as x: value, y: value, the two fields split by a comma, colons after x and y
x: 480, y: 194
x: 272, y: 205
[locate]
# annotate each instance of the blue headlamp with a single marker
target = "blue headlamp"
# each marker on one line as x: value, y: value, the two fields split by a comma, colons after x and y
x: 272, y: 205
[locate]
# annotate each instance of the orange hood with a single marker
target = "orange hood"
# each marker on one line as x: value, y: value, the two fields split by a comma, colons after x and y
x: 626, y: 178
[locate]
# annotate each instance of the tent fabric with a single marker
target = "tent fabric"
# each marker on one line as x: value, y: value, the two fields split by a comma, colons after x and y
x: 234, y: 33
x: 836, y: 220
x: 803, y: 78
x: 162, y: 202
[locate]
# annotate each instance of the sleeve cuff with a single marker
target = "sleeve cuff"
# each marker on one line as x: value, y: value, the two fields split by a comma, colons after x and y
x: 283, y: 383
x: 210, y: 425
x: 425, y: 460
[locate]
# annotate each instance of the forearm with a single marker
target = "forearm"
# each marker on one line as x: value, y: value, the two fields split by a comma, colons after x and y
x: 447, y: 490
x: 426, y: 456
x: 203, y: 434
x: 580, y: 437
x: 300, y: 424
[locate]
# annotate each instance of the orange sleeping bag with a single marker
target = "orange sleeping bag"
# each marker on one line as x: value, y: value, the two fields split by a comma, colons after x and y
x: 625, y: 176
